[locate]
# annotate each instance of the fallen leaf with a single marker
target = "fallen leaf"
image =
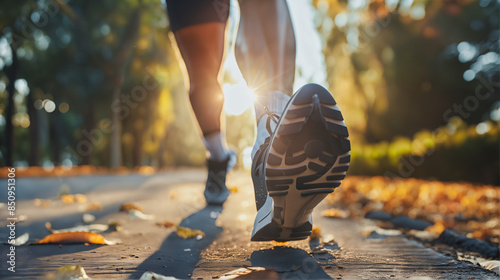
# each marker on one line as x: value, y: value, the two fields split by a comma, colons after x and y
x: 21, y: 240
x: 315, y: 233
x: 136, y: 214
x: 148, y: 275
x: 40, y: 202
x: 184, y: 232
x: 493, y: 266
x: 166, y: 224
x: 277, y: 243
x: 70, y: 272
x: 252, y: 273
x: 233, y: 189
x: 130, y: 206
x: 94, y: 206
x: 88, y: 218
x: 70, y: 198
x: 88, y: 228
x: 80, y: 198
x: 75, y: 237
x: 335, y: 213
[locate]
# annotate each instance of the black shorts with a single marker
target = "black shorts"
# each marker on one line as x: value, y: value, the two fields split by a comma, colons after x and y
x: 184, y: 13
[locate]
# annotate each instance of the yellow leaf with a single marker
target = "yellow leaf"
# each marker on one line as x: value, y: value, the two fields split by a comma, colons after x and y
x: 186, y: 233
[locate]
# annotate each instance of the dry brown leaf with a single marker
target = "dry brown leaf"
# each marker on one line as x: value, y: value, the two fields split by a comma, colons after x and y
x: 315, y: 233
x: 130, y: 206
x: 186, y: 233
x: 166, y: 224
x: 74, y: 237
x: 94, y: 206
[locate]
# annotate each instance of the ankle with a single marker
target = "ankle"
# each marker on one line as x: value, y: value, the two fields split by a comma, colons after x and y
x: 216, y: 145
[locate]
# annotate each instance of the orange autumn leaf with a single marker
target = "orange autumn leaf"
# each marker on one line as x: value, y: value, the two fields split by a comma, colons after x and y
x: 67, y: 199
x: 70, y: 198
x: 166, y: 224
x: 74, y: 237
x: 437, y: 228
x: 315, y: 233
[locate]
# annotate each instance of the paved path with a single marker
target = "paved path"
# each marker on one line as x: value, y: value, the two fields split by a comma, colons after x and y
x: 177, y: 196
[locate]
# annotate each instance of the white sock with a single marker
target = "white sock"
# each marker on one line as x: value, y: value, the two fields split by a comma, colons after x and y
x: 275, y: 102
x: 216, y: 145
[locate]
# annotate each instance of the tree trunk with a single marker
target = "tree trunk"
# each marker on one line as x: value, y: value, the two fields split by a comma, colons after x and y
x: 137, y: 148
x: 89, y: 125
x: 55, y: 136
x: 162, y: 149
x: 11, y: 72
x: 116, y: 147
x: 34, y: 158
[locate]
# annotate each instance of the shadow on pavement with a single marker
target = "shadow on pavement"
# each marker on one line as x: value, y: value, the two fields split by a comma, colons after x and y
x: 290, y: 263
x: 178, y: 257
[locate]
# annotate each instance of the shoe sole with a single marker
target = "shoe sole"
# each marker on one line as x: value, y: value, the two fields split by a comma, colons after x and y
x: 308, y: 158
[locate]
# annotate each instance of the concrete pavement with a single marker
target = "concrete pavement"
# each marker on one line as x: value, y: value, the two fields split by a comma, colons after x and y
x: 177, y: 196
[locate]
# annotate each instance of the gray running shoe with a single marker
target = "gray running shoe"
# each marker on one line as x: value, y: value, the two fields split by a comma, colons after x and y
x: 304, y: 159
x: 216, y: 191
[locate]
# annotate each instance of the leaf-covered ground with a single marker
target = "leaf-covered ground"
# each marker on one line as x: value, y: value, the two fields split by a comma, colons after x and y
x: 471, y: 210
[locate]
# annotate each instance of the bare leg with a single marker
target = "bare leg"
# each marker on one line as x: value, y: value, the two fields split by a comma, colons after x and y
x: 265, y: 46
x: 202, y: 48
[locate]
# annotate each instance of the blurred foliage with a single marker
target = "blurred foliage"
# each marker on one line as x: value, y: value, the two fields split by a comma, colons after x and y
x: 396, y: 67
x: 467, y: 208
x: 454, y: 152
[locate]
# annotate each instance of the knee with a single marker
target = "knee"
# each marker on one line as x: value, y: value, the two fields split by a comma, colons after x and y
x: 210, y: 87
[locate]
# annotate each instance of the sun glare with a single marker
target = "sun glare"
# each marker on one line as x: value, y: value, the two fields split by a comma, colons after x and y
x: 238, y: 98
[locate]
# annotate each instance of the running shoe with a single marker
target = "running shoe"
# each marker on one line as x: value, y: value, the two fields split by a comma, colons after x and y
x: 216, y: 191
x: 303, y: 160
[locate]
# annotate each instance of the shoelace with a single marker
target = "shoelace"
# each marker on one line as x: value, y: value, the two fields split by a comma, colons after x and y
x: 272, y: 117
x: 262, y: 148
